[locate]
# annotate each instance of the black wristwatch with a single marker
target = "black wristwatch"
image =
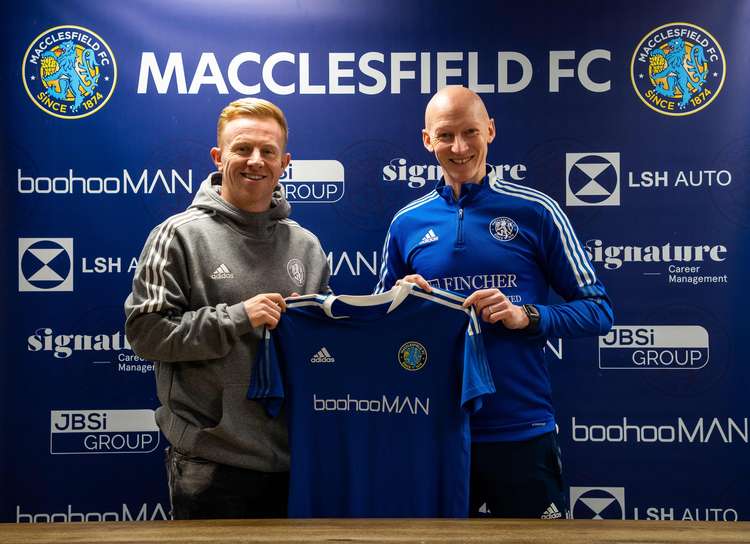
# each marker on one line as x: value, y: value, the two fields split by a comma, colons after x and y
x: 532, y: 312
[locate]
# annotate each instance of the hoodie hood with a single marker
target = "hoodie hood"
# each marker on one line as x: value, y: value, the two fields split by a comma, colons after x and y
x: 209, y: 198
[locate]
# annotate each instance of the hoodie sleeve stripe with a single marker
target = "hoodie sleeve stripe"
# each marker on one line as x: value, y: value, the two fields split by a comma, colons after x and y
x: 156, y: 259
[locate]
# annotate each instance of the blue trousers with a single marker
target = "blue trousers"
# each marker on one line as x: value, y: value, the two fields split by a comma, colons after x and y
x: 517, y: 479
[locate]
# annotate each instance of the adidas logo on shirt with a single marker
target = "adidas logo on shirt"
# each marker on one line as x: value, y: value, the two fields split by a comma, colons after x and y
x: 430, y: 236
x: 552, y: 512
x: 222, y: 273
x: 322, y: 357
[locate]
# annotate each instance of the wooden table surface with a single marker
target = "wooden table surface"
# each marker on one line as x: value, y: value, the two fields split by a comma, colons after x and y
x: 369, y: 530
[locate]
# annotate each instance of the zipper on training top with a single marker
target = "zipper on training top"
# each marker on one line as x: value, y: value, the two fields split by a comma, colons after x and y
x: 460, y: 228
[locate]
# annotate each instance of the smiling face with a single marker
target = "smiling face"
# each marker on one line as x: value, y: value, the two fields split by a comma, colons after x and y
x: 458, y: 131
x: 251, y: 158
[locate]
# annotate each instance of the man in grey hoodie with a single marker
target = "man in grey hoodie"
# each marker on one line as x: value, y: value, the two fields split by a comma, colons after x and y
x: 208, y: 280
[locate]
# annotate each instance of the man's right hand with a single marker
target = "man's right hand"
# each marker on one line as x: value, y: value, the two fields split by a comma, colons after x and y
x: 265, y: 309
x: 419, y: 280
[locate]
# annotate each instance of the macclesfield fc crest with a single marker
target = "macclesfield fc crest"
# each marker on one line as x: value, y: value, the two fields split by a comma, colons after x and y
x: 69, y: 72
x: 503, y: 229
x: 412, y: 356
x: 296, y: 271
x: 678, y: 69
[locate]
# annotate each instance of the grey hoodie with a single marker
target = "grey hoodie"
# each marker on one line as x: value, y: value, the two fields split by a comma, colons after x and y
x: 186, y: 313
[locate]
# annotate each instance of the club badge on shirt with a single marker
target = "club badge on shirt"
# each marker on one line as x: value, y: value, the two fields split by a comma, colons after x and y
x: 296, y: 271
x: 503, y: 229
x: 412, y: 356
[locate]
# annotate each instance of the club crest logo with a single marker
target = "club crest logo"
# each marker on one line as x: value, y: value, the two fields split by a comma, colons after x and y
x: 503, y: 229
x: 296, y: 271
x: 69, y: 72
x: 412, y: 356
x: 678, y: 69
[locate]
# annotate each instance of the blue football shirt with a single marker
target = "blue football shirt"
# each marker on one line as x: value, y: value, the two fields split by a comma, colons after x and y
x: 378, y: 392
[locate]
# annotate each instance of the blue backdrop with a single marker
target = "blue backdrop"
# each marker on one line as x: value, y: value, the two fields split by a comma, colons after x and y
x: 111, y: 112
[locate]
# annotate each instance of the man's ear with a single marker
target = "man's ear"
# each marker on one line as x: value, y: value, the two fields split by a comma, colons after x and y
x: 491, y: 131
x: 285, y: 161
x: 216, y: 157
x: 427, y: 141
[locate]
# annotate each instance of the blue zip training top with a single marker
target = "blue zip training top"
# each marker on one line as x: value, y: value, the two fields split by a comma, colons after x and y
x: 516, y: 239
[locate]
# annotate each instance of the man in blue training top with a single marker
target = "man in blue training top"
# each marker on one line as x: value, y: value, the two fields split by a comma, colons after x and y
x: 503, y: 245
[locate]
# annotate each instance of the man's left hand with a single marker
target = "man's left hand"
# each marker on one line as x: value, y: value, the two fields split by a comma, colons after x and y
x: 493, y: 306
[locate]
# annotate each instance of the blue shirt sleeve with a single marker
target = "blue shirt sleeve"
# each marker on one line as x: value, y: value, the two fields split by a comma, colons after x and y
x: 266, y: 380
x: 477, y: 378
x: 587, y: 309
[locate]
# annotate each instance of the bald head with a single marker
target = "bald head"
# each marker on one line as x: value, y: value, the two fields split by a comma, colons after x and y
x: 454, y: 97
x: 458, y: 131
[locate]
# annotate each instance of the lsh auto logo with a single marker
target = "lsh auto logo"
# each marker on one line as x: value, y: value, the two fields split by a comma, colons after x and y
x: 592, y: 179
x: 609, y: 503
x: 69, y: 72
x: 678, y: 69
x: 45, y: 264
x: 597, y: 502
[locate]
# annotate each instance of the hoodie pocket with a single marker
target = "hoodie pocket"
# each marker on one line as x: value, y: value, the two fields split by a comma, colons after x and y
x: 244, y: 426
x: 196, y: 396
